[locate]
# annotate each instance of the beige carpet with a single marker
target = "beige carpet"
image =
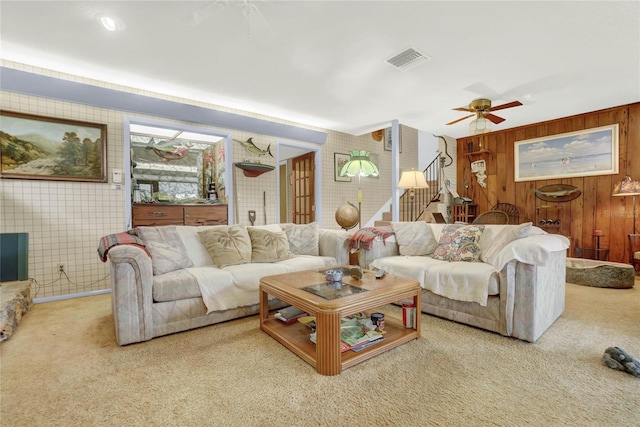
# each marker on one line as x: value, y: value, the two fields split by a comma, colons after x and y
x: 63, y: 367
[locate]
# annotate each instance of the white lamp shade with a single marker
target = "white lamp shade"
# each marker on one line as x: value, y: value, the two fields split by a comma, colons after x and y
x: 412, y: 179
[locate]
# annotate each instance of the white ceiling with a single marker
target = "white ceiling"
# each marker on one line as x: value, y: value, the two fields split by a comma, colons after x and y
x: 323, y: 63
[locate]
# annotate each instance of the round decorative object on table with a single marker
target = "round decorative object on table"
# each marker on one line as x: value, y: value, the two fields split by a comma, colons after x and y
x: 347, y: 216
x: 333, y: 275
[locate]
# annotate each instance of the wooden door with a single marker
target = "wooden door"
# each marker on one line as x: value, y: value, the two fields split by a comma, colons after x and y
x: 302, y: 191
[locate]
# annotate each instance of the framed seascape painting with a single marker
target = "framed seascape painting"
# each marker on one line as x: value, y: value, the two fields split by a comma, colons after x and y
x: 583, y: 153
x: 37, y: 147
x: 339, y: 160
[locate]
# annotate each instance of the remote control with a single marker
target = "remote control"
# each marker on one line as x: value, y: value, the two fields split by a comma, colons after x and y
x: 379, y: 274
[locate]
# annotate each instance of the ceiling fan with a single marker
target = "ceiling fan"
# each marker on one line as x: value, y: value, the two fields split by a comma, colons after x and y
x: 257, y: 26
x: 481, y: 108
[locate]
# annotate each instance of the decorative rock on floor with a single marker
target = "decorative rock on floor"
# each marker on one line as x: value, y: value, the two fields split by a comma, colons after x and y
x: 600, y: 274
x: 15, y: 301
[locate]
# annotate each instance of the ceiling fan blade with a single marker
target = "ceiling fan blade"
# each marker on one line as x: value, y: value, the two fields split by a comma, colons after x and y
x: 257, y: 26
x: 205, y: 12
x: 507, y: 105
x: 463, y: 109
x: 461, y: 119
x: 493, y: 118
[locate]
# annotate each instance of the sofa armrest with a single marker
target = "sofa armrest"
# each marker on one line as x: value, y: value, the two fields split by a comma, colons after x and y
x: 379, y: 249
x: 132, y: 296
x: 335, y: 243
x: 532, y: 296
x: 534, y: 250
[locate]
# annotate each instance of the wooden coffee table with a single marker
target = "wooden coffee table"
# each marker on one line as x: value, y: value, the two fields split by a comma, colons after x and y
x: 325, y: 355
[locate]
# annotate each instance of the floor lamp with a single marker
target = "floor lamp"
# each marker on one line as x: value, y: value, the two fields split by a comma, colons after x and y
x: 411, y: 180
x: 359, y: 165
x: 628, y: 187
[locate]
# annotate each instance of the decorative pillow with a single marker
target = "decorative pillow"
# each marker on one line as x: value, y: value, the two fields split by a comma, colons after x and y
x: 166, y: 248
x: 303, y: 238
x: 414, y: 238
x: 268, y: 246
x: 503, y: 239
x: 227, y: 245
x: 459, y: 243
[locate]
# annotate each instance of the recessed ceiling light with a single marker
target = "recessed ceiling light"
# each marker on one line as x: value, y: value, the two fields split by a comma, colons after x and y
x: 111, y: 23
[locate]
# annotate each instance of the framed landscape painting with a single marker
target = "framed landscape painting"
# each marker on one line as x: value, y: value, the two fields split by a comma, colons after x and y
x: 339, y: 160
x: 583, y: 153
x: 37, y: 147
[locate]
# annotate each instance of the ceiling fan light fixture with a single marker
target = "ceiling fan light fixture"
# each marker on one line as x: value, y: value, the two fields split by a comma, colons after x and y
x: 479, y: 125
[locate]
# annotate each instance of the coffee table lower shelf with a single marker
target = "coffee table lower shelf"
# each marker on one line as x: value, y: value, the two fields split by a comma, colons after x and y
x: 295, y: 337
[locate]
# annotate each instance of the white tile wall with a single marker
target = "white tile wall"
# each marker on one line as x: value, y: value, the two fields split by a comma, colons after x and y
x: 65, y: 220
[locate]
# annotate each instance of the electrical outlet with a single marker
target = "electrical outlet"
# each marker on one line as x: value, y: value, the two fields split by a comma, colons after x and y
x: 61, y: 267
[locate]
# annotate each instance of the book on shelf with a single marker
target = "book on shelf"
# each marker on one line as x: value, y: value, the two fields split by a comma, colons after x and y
x: 308, y: 321
x: 289, y: 314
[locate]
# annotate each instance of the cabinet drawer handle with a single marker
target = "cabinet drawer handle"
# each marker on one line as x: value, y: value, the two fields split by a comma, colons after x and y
x: 159, y: 213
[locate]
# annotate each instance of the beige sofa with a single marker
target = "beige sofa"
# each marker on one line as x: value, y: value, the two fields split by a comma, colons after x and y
x: 186, y: 283
x: 515, y: 287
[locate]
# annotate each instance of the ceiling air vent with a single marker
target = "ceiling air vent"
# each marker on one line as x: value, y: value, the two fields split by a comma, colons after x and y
x: 407, y: 59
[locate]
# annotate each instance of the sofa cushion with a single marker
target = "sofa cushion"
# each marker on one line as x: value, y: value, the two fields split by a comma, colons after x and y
x: 268, y: 246
x: 459, y: 243
x: 175, y: 285
x: 414, y: 238
x: 303, y: 238
x: 227, y: 245
x: 502, y: 239
x: 306, y: 262
x: 463, y: 281
x: 166, y: 248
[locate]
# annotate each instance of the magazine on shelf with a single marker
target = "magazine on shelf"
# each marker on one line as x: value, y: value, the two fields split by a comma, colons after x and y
x: 356, y: 334
x: 289, y: 314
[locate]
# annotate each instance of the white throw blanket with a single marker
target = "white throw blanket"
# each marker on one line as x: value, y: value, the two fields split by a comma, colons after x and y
x: 461, y: 281
x: 218, y: 290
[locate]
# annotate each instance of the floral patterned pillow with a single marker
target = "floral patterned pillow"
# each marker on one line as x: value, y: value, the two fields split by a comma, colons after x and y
x: 459, y: 243
x: 227, y: 245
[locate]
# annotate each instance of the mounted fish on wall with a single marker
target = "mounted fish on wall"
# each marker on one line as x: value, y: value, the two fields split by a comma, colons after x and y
x: 253, y: 169
x: 558, y: 193
x: 253, y: 148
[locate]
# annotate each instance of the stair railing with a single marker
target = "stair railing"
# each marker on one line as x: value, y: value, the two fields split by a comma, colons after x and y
x: 423, y: 197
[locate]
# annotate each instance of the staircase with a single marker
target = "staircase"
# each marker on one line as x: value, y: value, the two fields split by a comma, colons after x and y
x: 424, y: 198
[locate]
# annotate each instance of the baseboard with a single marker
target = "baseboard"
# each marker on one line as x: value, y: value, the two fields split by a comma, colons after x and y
x: 70, y: 296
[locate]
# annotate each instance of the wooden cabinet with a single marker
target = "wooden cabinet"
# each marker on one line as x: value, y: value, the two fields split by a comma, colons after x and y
x: 465, y: 212
x: 205, y: 215
x: 157, y: 214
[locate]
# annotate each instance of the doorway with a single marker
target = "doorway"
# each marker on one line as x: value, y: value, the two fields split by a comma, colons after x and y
x: 298, y: 183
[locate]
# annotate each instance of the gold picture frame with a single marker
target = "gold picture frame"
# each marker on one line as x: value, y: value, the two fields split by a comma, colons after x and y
x: 49, y: 148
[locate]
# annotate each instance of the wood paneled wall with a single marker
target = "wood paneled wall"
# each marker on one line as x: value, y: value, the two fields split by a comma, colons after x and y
x: 594, y: 209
